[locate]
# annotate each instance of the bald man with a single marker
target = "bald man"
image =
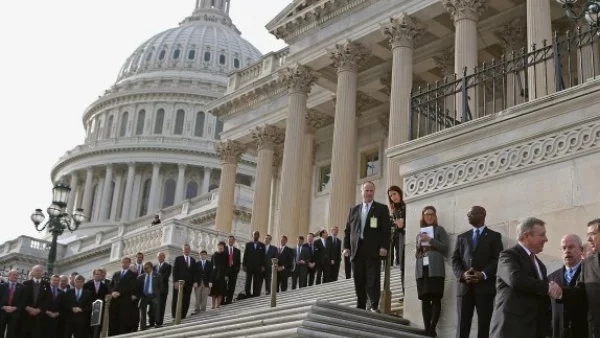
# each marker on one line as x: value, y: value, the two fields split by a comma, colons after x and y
x: 568, y: 321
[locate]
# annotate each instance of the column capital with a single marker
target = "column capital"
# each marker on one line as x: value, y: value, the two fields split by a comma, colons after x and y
x: 403, y: 31
x: 131, y: 164
x: 182, y: 166
x: 298, y: 79
x: 156, y: 165
x: 349, y: 56
x: 513, y: 35
x: 465, y: 9
x: 268, y: 136
x: 316, y: 120
x: 229, y: 152
x: 277, y: 157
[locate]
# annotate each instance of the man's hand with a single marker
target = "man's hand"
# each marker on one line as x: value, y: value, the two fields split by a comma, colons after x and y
x: 9, y: 309
x: 76, y: 309
x: 133, y: 297
x: 210, y: 285
x: 115, y: 294
x: 301, y: 262
x: 467, y: 275
x: 195, y: 285
x: 554, y: 290
x: 346, y: 253
x: 332, y: 262
x: 311, y: 265
x: 382, y: 252
x: 424, y: 237
x: 176, y: 286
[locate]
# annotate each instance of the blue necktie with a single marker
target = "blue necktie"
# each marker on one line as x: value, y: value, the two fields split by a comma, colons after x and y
x: 475, y: 238
x: 147, y: 286
x: 569, y: 275
x: 78, y: 294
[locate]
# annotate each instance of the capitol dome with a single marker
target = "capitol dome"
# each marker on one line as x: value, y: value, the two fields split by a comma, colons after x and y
x: 207, y: 42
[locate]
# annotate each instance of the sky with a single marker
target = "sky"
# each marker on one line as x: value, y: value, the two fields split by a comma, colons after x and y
x: 57, y: 57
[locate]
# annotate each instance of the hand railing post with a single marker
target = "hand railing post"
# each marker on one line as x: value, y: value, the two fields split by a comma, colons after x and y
x: 387, y: 292
x: 105, y: 316
x: 274, y: 282
x: 179, y: 310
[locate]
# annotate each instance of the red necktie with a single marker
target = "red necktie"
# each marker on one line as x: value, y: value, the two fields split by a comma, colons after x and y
x: 280, y: 250
x: 11, y: 294
x: 230, y: 256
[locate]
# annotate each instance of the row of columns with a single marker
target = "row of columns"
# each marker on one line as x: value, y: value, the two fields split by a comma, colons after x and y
x: 109, y: 199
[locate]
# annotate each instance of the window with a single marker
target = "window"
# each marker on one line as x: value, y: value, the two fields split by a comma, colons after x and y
x: 148, y: 56
x: 176, y: 54
x: 139, y: 128
x: 191, y: 190
x: 369, y: 163
x: 206, y: 56
x: 169, y: 193
x: 218, y: 129
x: 199, y: 128
x: 215, y: 179
x: 236, y: 63
x: 161, y: 56
x: 179, y: 119
x: 145, y: 198
x: 222, y: 59
x: 159, y: 122
x: 123, y: 127
x: 109, y: 125
x: 191, y: 54
x: 324, y: 178
x: 243, y: 180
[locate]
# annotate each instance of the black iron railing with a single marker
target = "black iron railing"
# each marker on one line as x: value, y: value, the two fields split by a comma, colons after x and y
x: 494, y: 86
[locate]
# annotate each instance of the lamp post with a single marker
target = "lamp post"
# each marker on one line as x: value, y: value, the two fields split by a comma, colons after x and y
x: 59, y: 219
x: 590, y: 10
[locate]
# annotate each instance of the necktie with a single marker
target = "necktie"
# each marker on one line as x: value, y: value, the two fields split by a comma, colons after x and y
x: 139, y: 268
x: 312, y: 251
x: 122, y: 273
x: 298, y: 253
x: 203, y: 265
x: 280, y: 250
x: 53, y: 292
x: 97, y: 285
x: 363, y: 219
x: 333, y: 240
x: 147, y: 285
x: 532, y: 255
x: 11, y: 293
x: 78, y: 294
x: 187, y: 261
x: 324, y: 243
x: 475, y: 238
x: 569, y: 275
x: 230, y: 256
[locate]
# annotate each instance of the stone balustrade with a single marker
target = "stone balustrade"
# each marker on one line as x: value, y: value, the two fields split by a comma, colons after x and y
x: 269, y: 64
x: 30, y: 246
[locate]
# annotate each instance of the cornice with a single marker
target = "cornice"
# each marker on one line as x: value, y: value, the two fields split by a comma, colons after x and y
x: 85, y: 255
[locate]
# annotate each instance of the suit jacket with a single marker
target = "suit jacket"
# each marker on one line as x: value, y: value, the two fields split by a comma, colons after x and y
x: 286, y: 259
x: 374, y: 238
x: 18, y: 296
x: 181, y: 271
x: 102, y: 290
x: 321, y: 252
x: 203, y: 275
x: 156, y: 284
x: 587, y: 293
x: 254, y: 259
x: 334, y: 250
x: 28, y: 296
x: 165, y: 274
x: 482, y: 258
x: 270, y: 253
x: 436, y: 254
x: 571, y: 321
x: 305, y: 254
x: 84, y: 302
x: 234, y: 269
x: 126, y: 286
x: 522, y: 304
x: 55, y: 304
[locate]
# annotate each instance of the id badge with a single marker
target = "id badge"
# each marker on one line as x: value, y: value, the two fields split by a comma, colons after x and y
x: 373, y: 223
x: 425, y: 261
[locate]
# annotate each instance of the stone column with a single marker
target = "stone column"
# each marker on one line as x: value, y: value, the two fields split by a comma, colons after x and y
x: 114, y: 209
x: 74, y: 187
x: 88, y: 193
x: 97, y: 202
x: 126, y: 212
x: 179, y: 190
x: 466, y: 15
x: 106, y: 194
x: 229, y: 153
x: 347, y: 58
x: 539, y: 29
x: 266, y: 138
x: 274, y: 196
x: 154, y: 189
x: 206, y: 179
x: 402, y: 33
x: 513, y: 37
x: 299, y: 81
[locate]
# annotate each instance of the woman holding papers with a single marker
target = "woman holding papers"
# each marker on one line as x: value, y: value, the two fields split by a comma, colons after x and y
x: 432, y: 246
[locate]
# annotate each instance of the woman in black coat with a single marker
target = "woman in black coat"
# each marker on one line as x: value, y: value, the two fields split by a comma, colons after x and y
x: 218, y: 288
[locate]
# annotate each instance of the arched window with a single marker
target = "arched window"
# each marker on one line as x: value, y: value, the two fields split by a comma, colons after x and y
x: 145, y: 198
x: 161, y: 56
x: 139, y: 127
x: 199, y: 128
x: 179, y: 119
x: 169, y: 193
x: 123, y: 127
x: 206, y: 56
x: 236, y: 63
x: 218, y: 129
x: 109, y: 125
x: 176, y: 54
x: 191, y: 190
x: 159, y: 122
x: 222, y: 59
x: 191, y: 54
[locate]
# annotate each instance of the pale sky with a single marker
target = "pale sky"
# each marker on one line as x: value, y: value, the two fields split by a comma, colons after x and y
x: 57, y: 57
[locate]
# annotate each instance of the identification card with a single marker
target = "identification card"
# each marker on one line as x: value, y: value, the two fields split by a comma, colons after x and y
x: 425, y: 261
x: 373, y: 223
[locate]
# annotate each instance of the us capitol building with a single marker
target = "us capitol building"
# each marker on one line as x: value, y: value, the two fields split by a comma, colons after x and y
x: 458, y: 102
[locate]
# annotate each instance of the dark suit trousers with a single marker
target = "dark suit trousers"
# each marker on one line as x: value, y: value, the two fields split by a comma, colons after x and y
x: 51, y: 327
x: 267, y: 280
x: 9, y: 323
x: 466, y: 305
x: 347, y: 267
x: 150, y: 304
x: 253, y: 282
x: 335, y: 271
x: 121, y: 318
x: 32, y: 326
x: 311, y: 275
x: 230, y: 288
x: 299, y: 276
x: 163, y: 304
x: 367, y: 279
x: 185, y: 304
x: 77, y: 327
x: 282, y: 280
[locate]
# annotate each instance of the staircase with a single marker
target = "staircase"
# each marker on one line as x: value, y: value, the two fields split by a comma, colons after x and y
x: 326, y: 310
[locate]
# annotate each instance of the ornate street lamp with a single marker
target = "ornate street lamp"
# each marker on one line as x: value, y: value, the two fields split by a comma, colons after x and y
x: 590, y: 10
x: 59, y: 219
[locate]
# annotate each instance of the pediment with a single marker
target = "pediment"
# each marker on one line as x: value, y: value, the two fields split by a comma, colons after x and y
x: 290, y: 11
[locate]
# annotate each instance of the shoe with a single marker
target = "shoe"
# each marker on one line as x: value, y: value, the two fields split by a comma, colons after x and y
x: 157, y: 326
x: 374, y: 310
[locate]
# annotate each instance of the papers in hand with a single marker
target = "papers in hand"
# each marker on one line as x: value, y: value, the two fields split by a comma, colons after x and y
x: 429, y: 232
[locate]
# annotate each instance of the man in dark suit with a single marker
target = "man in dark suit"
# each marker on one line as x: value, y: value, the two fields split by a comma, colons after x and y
x: 322, y: 261
x: 78, y: 307
x: 270, y: 253
x: 254, y: 265
x: 123, y: 288
x: 522, y: 305
x: 149, y: 286
x: 139, y: 263
x: 234, y: 263
x: 99, y: 290
x: 35, y: 292
x: 164, y: 270
x: 334, y: 246
x: 202, y: 282
x: 11, y: 298
x: 312, y: 264
x: 367, y: 237
x: 284, y: 264
x: 568, y: 322
x: 474, y: 262
x: 54, y: 309
x: 302, y: 257
x: 183, y: 269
